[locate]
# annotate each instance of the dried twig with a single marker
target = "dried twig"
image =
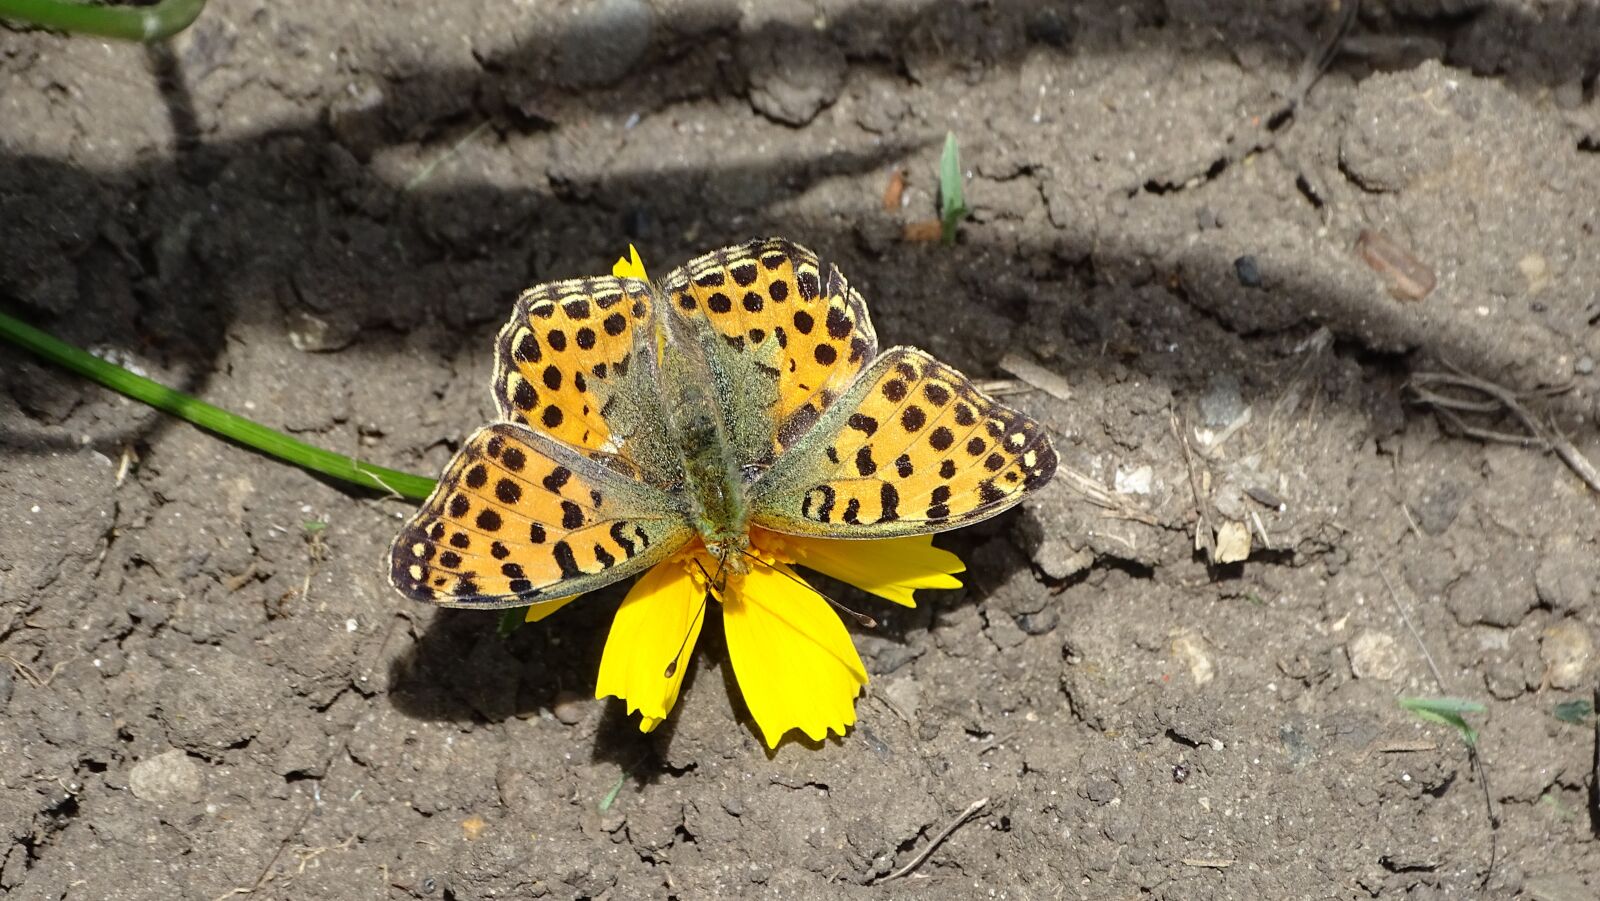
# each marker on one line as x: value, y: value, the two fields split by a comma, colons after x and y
x: 1095, y: 493
x: 908, y: 869
x: 29, y: 675
x: 1204, y: 537
x: 1003, y: 387
x: 1045, y: 380
x: 1424, y: 389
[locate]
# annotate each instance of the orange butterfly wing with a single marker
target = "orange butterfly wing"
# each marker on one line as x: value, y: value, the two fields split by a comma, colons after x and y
x: 518, y: 518
x: 575, y: 362
x: 911, y: 448
x: 788, y: 336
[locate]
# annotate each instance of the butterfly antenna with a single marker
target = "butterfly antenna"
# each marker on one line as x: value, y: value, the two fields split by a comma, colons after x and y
x: 673, y: 666
x: 722, y: 564
x: 865, y: 620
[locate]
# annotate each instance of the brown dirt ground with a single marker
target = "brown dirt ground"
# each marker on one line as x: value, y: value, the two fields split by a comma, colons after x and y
x: 316, y: 214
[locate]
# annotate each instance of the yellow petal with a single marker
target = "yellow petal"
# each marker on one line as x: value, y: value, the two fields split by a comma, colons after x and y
x: 792, y: 657
x: 543, y: 609
x: 630, y: 266
x: 891, y: 568
x: 660, y: 618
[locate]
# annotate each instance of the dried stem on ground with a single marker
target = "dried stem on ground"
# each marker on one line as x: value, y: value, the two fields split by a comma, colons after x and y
x: 1425, y: 390
x: 971, y: 811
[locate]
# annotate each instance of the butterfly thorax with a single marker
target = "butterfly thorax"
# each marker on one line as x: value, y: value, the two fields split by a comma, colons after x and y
x: 713, y: 485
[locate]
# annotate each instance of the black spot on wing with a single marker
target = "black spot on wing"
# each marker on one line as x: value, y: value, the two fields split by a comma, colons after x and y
x: 566, y: 560
x: 889, y: 500
x: 619, y: 534
x: 864, y: 462
x: 571, y: 516
x: 862, y: 423
x: 818, y: 503
x: 507, y: 491
x: 852, y: 511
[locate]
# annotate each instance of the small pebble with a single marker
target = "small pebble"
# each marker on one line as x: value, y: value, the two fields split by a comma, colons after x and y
x: 1583, y: 366
x: 1223, y: 401
x: 1190, y: 650
x: 1248, y: 272
x: 168, y: 777
x: 1374, y: 655
x: 1566, y: 650
x: 570, y: 707
x: 1058, y: 559
x: 1568, y: 95
x: 1101, y: 791
x: 1407, y: 277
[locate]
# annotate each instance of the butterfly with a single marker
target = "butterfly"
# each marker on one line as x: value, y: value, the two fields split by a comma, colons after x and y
x: 743, y: 392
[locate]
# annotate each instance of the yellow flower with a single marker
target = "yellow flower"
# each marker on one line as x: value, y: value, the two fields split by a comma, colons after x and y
x: 791, y: 655
x: 630, y: 266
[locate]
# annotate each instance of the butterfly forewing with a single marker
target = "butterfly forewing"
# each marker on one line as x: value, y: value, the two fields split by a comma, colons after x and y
x: 787, y: 338
x: 518, y: 518
x: 913, y: 447
x: 575, y: 363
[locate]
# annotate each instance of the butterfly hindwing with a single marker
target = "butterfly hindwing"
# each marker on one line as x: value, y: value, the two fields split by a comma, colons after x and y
x: 913, y: 447
x: 575, y: 363
x: 786, y: 335
x: 518, y: 518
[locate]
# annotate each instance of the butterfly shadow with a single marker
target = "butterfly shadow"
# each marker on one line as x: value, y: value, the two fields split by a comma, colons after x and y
x: 462, y: 670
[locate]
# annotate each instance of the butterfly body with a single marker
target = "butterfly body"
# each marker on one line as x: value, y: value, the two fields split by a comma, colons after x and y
x: 713, y: 480
x: 743, y: 391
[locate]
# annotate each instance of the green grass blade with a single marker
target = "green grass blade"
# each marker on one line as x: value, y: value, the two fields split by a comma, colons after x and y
x: 1574, y: 712
x: 1447, y: 712
x: 952, y: 190
x: 130, y: 23
x: 213, y: 419
x: 511, y: 619
x: 611, y: 796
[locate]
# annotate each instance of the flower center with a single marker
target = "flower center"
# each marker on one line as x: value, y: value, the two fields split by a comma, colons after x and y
x: 771, y: 548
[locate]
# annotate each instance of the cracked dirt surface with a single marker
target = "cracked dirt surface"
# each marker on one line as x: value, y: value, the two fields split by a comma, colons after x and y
x: 317, y: 215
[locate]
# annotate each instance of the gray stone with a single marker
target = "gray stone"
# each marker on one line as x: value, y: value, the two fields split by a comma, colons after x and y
x: 1059, y: 560
x: 1223, y: 402
x: 167, y: 778
x: 1375, y: 655
x: 1101, y: 790
x: 1439, y: 506
x: 794, y: 72
x: 1565, y: 577
x: 570, y: 707
x: 1039, y: 623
